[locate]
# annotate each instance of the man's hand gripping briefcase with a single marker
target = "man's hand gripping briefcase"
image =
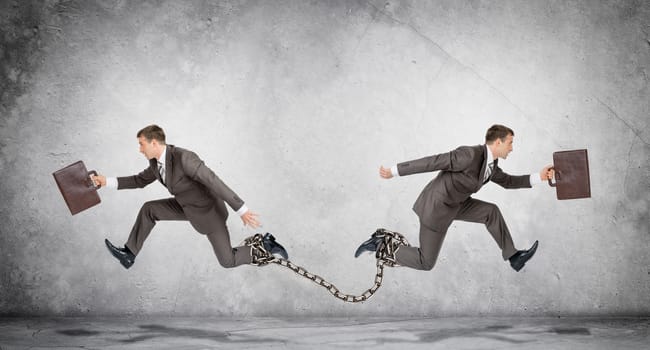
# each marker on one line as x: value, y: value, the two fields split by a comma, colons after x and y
x: 76, y: 186
x: 571, y: 174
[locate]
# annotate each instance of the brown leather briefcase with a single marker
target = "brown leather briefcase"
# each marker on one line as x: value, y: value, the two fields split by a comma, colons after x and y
x: 571, y: 174
x: 78, y: 190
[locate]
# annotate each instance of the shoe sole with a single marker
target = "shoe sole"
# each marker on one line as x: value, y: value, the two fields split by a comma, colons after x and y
x: 364, y: 247
x: 282, y: 253
x: 277, y: 249
x: 521, y: 266
x: 127, y: 264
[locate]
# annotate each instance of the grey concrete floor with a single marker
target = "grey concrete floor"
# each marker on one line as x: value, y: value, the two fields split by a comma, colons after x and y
x: 330, y: 333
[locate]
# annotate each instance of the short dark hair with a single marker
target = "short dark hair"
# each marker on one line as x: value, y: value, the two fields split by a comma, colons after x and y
x: 497, y: 131
x: 152, y: 132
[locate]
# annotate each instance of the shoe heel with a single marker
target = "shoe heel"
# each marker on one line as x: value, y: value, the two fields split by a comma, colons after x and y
x: 518, y: 267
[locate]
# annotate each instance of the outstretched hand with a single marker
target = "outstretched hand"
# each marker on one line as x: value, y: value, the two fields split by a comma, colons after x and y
x: 546, y: 173
x: 250, y: 219
x: 385, y: 173
x: 99, y: 180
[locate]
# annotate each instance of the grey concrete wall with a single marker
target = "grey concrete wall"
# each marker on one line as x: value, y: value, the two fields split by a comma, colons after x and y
x: 295, y: 105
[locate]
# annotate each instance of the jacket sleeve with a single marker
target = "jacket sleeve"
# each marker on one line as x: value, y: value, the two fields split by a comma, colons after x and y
x: 510, y: 181
x: 196, y: 169
x: 456, y: 160
x: 144, y: 178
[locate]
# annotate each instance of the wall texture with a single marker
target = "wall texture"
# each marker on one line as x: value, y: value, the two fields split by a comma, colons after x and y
x: 295, y: 105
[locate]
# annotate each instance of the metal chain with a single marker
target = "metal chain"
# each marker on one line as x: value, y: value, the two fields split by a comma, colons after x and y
x: 385, y: 257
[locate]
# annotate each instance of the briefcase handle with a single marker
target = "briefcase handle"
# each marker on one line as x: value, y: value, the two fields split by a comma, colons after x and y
x: 91, y: 182
x: 557, y: 177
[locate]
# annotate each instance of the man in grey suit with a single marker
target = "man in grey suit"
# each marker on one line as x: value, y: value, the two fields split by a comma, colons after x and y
x: 199, y: 197
x: 447, y: 197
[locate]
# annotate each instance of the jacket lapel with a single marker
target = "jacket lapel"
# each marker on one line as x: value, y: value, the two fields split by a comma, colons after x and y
x: 481, y: 177
x: 169, y: 165
x: 153, y: 164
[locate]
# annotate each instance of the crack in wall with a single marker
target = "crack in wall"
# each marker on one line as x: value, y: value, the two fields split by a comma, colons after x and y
x: 431, y: 80
x: 629, y: 153
x: 59, y: 154
x: 365, y: 30
x: 460, y: 63
x: 450, y: 56
x: 612, y: 112
x: 627, y: 168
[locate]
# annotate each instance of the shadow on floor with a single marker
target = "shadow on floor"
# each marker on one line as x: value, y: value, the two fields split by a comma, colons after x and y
x: 489, y: 332
x: 146, y: 332
x: 492, y: 332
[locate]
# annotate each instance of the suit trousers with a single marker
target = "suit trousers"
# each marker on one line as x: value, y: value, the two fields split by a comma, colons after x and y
x: 170, y: 209
x: 471, y: 210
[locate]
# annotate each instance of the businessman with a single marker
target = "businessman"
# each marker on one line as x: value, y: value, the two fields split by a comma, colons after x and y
x: 463, y: 172
x: 198, y: 197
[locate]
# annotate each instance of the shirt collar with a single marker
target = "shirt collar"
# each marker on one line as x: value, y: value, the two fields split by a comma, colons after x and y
x: 490, y: 156
x: 163, y: 156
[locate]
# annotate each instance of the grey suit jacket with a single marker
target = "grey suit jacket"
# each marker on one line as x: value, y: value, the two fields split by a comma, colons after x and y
x: 461, y: 174
x: 197, y: 189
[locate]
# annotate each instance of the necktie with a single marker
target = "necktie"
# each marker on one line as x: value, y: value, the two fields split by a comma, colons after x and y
x: 161, y: 170
x: 488, y: 172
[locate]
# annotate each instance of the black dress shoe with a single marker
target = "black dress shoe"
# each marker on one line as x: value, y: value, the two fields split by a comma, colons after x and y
x: 518, y: 260
x: 274, y: 247
x: 371, y: 245
x: 124, y: 255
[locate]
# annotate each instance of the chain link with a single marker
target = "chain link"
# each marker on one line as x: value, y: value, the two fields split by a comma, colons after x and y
x: 385, y: 257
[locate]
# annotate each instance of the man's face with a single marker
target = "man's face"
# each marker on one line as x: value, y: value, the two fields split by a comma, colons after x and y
x: 503, y: 148
x: 148, y: 148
